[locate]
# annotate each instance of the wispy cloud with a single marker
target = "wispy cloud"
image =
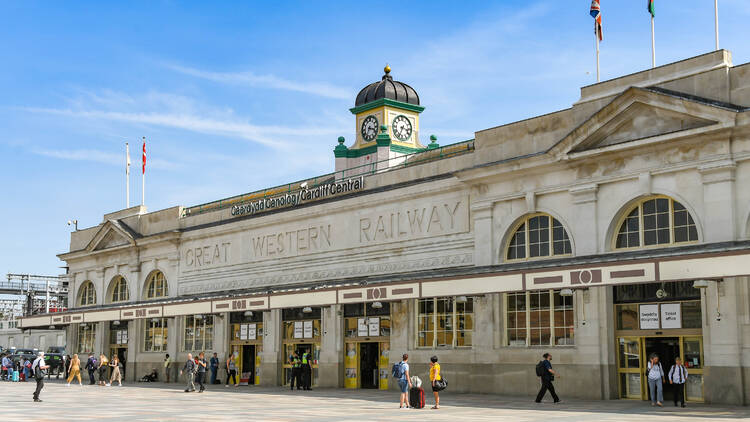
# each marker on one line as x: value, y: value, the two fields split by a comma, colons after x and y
x: 98, y: 156
x: 251, y: 79
x: 178, y: 112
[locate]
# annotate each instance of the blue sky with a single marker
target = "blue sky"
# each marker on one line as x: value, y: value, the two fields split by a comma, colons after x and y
x: 238, y: 96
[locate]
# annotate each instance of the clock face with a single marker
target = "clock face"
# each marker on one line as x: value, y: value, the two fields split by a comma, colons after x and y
x: 369, y: 128
x: 402, y: 128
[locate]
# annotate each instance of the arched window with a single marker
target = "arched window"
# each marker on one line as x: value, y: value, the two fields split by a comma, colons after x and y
x: 656, y: 221
x: 156, y: 285
x: 87, y: 294
x: 119, y: 292
x: 536, y: 236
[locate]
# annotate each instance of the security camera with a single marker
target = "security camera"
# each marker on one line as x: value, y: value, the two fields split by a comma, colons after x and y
x: 70, y: 222
x: 718, y: 317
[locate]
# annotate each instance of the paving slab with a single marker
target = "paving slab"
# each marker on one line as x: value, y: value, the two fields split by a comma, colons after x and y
x: 168, y: 402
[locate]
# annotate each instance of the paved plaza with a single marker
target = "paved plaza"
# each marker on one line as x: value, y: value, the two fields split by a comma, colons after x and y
x: 161, y: 402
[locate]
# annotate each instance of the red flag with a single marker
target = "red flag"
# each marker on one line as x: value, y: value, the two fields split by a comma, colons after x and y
x: 144, y: 156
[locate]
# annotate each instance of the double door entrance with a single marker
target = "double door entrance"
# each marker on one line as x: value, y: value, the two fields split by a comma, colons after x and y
x: 366, y: 365
x: 247, y: 361
x: 313, y: 349
x: 635, y: 352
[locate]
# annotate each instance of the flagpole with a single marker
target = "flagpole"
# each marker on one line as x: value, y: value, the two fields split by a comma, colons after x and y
x: 596, y: 37
x: 653, y: 44
x: 716, y: 21
x: 143, y: 174
x: 127, y: 175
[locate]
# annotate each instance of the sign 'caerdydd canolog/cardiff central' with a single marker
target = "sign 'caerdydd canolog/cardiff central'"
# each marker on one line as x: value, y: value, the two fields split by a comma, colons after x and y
x: 292, y: 199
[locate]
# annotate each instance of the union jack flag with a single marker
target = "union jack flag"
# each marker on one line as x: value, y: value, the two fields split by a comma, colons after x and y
x: 596, y: 13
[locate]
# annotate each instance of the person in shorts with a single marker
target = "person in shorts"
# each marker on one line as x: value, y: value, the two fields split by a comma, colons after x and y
x: 434, y: 377
x: 404, y: 382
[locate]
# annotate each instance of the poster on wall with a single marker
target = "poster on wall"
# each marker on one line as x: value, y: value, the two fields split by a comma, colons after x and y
x: 251, y: 332
x: 298, y: 329
x: 119, y: 337
x: 243, y: 332
x: 671, y: 316
x: 308, y: 329
x: 362, y: 327
x: 649, y: 317
x: 374, y: 324
x: 124, y: 337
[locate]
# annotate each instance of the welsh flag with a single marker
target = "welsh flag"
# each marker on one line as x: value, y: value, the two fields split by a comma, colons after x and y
x: 651, y: 8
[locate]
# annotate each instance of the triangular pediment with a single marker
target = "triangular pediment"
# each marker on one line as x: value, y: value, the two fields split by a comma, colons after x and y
x: 110, y: 235
x: 640, y: 121
x: 641, y: 115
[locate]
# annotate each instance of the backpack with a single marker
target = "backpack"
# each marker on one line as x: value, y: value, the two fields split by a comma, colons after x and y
x: 540, y: 369
x: 397, y: 371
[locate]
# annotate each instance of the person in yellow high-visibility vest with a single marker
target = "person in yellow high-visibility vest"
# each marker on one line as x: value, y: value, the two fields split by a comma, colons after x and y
x: 296, y: 363
x: 306, y: 370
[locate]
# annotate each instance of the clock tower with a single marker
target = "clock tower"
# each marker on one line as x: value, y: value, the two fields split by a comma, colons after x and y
x: 387, y: 125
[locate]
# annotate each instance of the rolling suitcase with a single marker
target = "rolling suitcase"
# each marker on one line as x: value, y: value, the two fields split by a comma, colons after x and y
x: 416, y: 397
x: 15, y: 376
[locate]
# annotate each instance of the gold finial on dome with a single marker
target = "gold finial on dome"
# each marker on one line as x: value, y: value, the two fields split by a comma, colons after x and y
x: 387, y: 69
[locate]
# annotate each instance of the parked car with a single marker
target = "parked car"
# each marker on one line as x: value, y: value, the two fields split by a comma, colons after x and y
x: 55, y: 358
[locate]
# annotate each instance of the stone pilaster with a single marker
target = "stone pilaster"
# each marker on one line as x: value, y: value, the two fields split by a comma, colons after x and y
x: 583, y: 220
x: 270, y: 360
x: 718, y: 201
x: 483, y: 234
x: 330, y: 369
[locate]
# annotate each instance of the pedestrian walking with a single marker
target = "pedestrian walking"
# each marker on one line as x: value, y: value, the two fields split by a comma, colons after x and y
x: 214, y: 367
x: 547, y: 374
x: 91, y: 365
x: 296, y: 363
x: 201, y: 374
x: 400, y: 373
x: 66, y: 365
x: 102, y: 368
x: 189, y: 369
x: 39, y: 367
x: 677, y: 377
x: 306, y: 370
x: 74, y: 370
x: 436, y: 380
x: 116, y: 373
x: 167, y: 367
x: 656, y: 380
x: 231, y: 371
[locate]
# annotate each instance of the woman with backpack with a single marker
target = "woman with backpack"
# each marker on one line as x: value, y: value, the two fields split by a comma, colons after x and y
x: 656, y: 379
x: 437, y: 380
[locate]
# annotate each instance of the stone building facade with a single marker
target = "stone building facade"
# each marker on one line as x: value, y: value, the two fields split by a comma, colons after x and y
x: 602, y: 233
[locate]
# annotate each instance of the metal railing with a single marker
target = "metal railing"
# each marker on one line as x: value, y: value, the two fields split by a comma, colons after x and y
x: 402, y: 161
x: 41, y: 293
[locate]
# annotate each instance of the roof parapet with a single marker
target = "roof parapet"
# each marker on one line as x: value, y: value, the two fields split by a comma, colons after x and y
x: 658, y: 75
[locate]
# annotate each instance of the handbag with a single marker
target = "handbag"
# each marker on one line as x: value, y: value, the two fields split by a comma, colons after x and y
x: 441, y: 384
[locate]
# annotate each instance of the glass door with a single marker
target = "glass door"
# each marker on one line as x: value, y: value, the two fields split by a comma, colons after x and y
x: 629, y: 367
x: 692, y: 348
